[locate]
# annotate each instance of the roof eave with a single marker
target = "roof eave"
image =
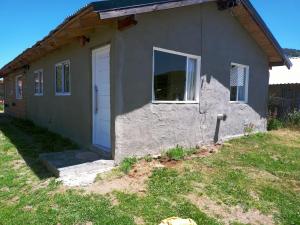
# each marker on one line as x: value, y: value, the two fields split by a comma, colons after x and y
x: 260, y: 21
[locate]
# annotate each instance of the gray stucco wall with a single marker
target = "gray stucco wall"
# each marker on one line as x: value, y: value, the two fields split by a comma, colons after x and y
x: 142, y: 127
x: 70, y: 116
x: 138, y: 126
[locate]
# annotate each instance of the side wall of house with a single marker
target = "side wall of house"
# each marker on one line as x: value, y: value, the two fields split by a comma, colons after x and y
x: 13, y: 106
x: 216, y: 36
x: 70, y: 116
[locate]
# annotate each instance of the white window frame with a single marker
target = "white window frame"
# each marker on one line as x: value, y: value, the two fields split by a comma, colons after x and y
x: 246, y: 87
x: 42, y: 74
x: 188, y: 56
x: 18, y: 97
x: 63, y: 93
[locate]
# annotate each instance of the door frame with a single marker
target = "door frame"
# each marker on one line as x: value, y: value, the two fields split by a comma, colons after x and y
x: 104, y: 47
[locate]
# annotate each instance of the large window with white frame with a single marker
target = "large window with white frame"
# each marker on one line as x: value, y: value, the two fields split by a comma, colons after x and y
x: 175, y: 76
x: 38, y: 82
x: 63, y: 78
x: 239, y: 79
x: 19, y: 87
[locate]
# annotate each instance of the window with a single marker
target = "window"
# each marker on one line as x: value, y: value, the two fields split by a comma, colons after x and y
x: 38, y: 83
x: 175, y: 76
x: 239, y: 76
x: 62, y: 78
x: 19, y: 87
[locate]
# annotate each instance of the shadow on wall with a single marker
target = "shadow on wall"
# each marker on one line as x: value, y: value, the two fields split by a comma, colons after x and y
x: 30, y: 141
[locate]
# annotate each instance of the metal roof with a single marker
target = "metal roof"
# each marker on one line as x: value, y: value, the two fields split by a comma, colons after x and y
x: 108, y: 5
x: 282, y: 75
x: 111, y: 5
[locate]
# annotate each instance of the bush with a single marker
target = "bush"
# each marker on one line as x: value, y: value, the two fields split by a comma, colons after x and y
x: 274, y: 124
x: 127, y: 164
x: 293, y: 119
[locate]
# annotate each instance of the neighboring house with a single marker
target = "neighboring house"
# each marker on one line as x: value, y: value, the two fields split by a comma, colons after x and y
x: 284, y: 90
x: 137, y: 77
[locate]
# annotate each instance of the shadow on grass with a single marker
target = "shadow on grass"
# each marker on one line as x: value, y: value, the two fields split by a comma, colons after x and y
x: 31, y: 141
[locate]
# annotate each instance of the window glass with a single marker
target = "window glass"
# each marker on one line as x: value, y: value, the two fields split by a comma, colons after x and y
x: 238, y: 83
x: 174, y: 77
x: 66, y: 78
x: 38, y: 82
x: 62, y: 78
x: 191, y: 80
x: 19, y: 87
x: 59, y: 79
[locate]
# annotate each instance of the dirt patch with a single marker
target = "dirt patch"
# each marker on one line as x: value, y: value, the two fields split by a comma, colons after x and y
x: 18, y: 164
x: 134, y: 182
x: 227, y: 214
x: 139, y: 220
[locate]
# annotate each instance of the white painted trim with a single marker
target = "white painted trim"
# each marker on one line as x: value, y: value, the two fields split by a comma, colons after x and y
x: 38, y: 71
x: 198, y: 73
x: 16, y: 87
x: 175, y: 102
x: 176, y: 52
x: 246, y: 87
x: 63, y: 78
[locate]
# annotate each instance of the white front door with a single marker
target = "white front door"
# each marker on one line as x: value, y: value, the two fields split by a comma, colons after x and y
x: 101, y: 98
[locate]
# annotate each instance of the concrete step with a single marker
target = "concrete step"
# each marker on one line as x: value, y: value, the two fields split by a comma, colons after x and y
x: 76, y: 168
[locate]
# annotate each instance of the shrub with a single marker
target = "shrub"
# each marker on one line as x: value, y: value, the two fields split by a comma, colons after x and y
x: 274, y: 124
x: 293, y: 119
x: 127, y: 164
x: 177, y: 153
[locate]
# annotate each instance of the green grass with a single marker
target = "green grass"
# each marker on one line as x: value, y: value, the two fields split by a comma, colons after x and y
x: 261, y: 172
x: 1, y: 107
x: 179, y: 153
x: 127, y: 164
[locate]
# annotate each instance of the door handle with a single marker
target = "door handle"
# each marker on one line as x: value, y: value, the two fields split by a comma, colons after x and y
x: 96, y: 99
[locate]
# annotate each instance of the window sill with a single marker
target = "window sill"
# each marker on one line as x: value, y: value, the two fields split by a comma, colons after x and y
x: 62, y: 94
x: 238, y: 102
x: 175, y: 102
x: 38, y: 95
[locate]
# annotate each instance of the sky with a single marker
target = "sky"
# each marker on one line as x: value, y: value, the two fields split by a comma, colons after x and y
x: 23, y: 23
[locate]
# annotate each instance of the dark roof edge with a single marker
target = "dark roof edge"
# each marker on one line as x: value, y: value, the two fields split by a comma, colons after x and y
x: 98, y: 9
x: 285, y: 60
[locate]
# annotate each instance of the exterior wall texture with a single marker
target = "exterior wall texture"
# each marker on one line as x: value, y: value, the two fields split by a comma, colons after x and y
x: 13, y: 106
x: 70, y: 116
x: 140, y: 127
x: 143, y: 127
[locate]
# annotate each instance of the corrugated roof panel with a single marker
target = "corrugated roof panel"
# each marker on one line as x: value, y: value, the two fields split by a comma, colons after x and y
x: 108, y: 5
x: 282, y: 75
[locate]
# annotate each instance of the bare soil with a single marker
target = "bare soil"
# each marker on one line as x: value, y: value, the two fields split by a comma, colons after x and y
x: 228, y: 214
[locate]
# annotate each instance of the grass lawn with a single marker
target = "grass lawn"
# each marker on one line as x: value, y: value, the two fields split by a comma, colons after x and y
x: 251, y: 180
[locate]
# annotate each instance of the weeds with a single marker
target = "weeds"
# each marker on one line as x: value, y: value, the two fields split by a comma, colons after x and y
x: 127, y: 164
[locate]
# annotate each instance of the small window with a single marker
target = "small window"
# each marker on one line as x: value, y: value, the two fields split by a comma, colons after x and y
x: 175, y: 76
x: 62, y: 78
x: 239, y: 76
x: 38, y: 83
x: 19, y: 87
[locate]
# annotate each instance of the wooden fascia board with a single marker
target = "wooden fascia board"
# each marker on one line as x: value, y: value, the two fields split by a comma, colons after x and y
x: 149, y: 8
